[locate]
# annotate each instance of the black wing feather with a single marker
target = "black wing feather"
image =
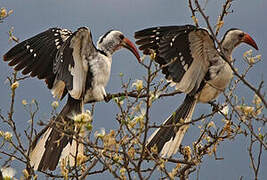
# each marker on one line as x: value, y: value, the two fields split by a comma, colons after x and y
x: 169, y: 43
x: 44, y: 47
x: 36, y: 55
x: 63, y: 59
x: 38, y: 47
x: 21, y: 46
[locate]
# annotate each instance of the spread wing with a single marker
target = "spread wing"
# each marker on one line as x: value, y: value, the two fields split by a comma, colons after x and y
x: 184, y: 52
x: 36, y: 55
x: 71, y: 64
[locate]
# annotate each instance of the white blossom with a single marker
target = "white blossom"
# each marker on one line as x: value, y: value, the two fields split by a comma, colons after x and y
x: 8, y: 172
x: 225, y: 110
x: 7, y: 136
x: 100, y: 134
x: 138, y: 85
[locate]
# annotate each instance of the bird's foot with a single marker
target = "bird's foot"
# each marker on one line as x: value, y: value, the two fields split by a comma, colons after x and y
x: 107, y: 97
x: 215, y: 106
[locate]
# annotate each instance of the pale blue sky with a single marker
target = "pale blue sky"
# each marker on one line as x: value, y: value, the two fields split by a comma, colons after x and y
x: 33, y: 16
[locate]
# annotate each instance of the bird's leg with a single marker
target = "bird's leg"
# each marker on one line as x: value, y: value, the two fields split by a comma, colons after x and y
x: 107, y: 97
x: 215, y: 106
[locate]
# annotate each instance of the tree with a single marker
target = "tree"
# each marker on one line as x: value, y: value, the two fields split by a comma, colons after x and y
x: 121, y: 151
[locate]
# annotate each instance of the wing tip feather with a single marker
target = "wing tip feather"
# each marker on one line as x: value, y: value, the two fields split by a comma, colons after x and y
x: 5, y: 57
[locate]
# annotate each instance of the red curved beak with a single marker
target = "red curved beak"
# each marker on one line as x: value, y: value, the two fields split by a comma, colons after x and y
x: 129, y: 45
x: 247, y: 39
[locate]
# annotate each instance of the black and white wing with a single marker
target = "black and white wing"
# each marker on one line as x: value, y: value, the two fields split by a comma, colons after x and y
x: 186, y: 51
x: 71, y: 64
x: 36, y: 55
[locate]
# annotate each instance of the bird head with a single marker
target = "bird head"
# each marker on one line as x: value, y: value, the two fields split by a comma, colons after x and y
x: 234, y: 37
x: 114, y: 40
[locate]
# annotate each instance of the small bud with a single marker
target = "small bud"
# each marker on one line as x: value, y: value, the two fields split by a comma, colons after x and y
x: 30, y: 121
x: 89, y: 126
x: 122, y: 171
x: 3, y: 13
x: 100, y: 134
x: 10, y: 12
x: 251, y: 60
x: 7, y: 136
x: 225, y: 110
x: 209, y: 152
x: 139, y: 119
x: 211, y: 124
x: 195, y: 19
x: 257, y: 100
x: 138, y: 84
x: 245, y: 54
x: 153, y: 56
x: 207, y: 138
x: 34, y: 101
x: 151, y: 99
x: 119, y: 101
x: 261, y: 136
x: 15, y: 85
x: 158, y: 94
x: 258, y: 57
x: 249, y: 52
x: 220, y: 24
x: 54, y: 104
x: 25, y: 173
x: 24, y: 102
x: 187, y: 151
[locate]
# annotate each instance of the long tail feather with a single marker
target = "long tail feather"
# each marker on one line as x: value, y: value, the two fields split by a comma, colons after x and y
x: 57, y: 139
x: 168, y: 138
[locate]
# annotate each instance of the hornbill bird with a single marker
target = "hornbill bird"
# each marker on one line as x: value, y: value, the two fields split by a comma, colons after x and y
x: 71, y: 65
x: 191, y: 62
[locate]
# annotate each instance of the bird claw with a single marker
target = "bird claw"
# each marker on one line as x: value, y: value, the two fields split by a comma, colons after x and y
x: 107, y: 97
x: 215, y: 107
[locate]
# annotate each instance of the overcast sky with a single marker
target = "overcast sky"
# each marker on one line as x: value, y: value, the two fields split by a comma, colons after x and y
x: 33, y: 16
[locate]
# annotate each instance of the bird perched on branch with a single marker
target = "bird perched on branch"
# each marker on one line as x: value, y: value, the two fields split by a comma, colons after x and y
x: 71, y: 65
x: 191, y: 62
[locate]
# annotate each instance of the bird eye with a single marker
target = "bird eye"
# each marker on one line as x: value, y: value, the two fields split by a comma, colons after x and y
x: 121, y: 36
x: 241, y: 35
